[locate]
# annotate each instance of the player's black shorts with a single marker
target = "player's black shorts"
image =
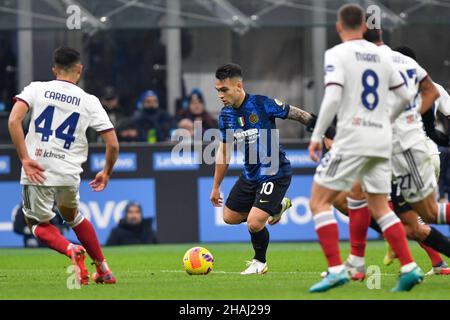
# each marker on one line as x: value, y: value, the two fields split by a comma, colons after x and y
x: 400, y: 204
x: 266, y: 196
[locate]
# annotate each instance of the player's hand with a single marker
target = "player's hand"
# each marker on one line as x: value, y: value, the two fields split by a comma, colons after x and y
x: 100, y: 182
x: 315, y: 149
x: 216, y: 198
x: 34, y: 171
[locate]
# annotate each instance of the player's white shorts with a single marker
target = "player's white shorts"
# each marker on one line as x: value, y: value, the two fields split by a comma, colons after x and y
x: 415, y: 172
x: 434, y: 152
x: 38, y: 201
x: 338, y: 172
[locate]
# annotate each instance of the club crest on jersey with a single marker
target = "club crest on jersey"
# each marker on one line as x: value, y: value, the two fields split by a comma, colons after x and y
x: 241, y: 121
x: 253, y: 118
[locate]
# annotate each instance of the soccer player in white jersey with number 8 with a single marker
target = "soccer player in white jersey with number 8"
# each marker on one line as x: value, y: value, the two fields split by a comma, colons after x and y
x: 52, y: 154
x: 358, y: 79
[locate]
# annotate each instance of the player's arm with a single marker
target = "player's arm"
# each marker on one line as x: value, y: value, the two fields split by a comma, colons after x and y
x: 299, y: 115
x: 438, y: 137
x: 33, y: 170
x: 223, y: 157
x: 328, y: 111
x: 402, y: 97
x: 429, y: 94
x: 112, y: 151
x: 309, y: 120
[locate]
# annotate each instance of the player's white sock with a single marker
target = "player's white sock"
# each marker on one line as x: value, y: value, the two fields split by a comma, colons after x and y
x: 336, y: 269
x: 356, y: 261
x: 408, y: 267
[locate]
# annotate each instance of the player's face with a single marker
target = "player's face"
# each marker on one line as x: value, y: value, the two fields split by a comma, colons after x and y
x: 134, y: 215
x: 229, y: 90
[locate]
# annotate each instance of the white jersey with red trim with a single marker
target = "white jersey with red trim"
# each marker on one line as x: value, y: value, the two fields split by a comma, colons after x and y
x: 442, y: 104
x: 408, y: 127
x: 61, y: 112
x: 366, y: 75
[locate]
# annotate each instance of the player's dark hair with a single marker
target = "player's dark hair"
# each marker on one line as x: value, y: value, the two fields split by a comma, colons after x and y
x: 373, y: 35
x: 229, y: 70
x: 407, y: 51
x: 65, y: 57
x: 352, y: 16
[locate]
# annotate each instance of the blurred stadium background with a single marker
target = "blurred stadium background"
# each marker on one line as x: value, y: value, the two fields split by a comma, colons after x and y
x: 173, y: 47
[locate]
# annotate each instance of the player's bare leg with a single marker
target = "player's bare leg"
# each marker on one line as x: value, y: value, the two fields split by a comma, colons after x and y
x: 233, y: 217
x: 86, y: 235
x: 417, y: 230
x: 394, y: 233
x: 340, y: 203
x: 328, y: 234
x: 256, y: 223
x: 431, y: 211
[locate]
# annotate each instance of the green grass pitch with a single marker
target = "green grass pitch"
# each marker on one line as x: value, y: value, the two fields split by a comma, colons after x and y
x: 155, y: 272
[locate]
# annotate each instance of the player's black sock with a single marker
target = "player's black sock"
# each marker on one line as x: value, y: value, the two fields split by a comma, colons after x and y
x: 260, y: 241
x: 374, y: 225
x: 438, y: 242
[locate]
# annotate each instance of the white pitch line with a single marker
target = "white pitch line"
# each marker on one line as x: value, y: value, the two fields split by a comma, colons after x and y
x: 271, y: 272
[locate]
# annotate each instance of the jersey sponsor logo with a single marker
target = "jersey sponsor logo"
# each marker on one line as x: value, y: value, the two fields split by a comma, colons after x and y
x: 49, y: 154
x: 5, y: 165
x: 253, y: 118
x: 249, y: 136
x: 356, y: 121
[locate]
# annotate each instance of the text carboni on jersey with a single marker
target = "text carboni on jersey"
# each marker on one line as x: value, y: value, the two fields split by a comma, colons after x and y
x: 62, y: 97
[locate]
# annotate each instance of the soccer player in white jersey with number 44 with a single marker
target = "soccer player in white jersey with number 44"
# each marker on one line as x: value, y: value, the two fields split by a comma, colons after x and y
x: 52, y: 154
x: 358, y: 79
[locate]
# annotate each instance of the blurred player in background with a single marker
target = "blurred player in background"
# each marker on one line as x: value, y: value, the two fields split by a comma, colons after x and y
x: 358, y: 79
x: 258, y: 195
x: 408, y: 134
x: 52, y: 154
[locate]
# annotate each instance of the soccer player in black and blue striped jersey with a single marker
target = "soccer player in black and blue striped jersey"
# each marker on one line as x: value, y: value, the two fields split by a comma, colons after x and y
x: 258, y: 196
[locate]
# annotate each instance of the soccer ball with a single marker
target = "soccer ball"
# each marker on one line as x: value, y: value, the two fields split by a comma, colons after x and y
x: 198, y: 260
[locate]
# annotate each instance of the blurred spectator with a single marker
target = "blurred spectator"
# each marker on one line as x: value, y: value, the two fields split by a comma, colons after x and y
x: 127, y: 131
x: 186, y: 124
x: 196, y: 111
x: 153, y: 123
x: 20, y: 227
x: 133, y: 229
x: 111, y: 103
x: 185, y: 129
